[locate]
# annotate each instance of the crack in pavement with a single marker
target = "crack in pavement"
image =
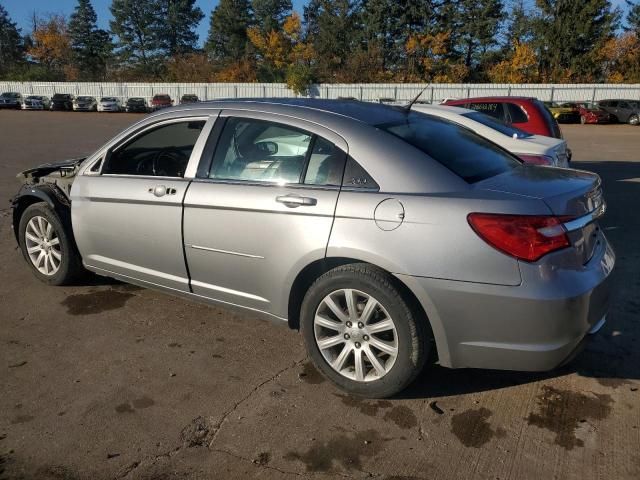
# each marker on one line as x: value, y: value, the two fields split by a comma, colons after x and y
x: 218, y: 426
x: 225, y: 415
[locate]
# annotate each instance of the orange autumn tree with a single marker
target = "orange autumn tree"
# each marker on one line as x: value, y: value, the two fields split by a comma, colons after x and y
x: 51, y: 45
x: 429, y: 58
x: 283, y: 56
x: 620, y: 57
x: 520, y: 67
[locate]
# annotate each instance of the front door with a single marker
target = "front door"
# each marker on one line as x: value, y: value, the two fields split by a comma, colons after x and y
x: 127, y: 217
x: 262, y: 208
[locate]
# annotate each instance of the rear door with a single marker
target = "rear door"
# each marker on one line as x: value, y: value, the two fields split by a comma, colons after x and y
x: 261, y: 207
x: 127, y: 214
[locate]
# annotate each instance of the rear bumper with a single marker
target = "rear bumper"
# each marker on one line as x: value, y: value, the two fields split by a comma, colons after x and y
x: 532, y: 327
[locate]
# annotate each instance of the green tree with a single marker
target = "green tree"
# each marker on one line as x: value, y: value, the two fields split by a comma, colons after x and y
x: 333, y: 29
x: 227, y: 41
x: 567, y: 36
x: 11, y: 44
x: 90, y: 46
x: 476, y: 27
x: 270, y: 14
x: 633, y: 17
x: 134, y: 24
x: 176, y: 24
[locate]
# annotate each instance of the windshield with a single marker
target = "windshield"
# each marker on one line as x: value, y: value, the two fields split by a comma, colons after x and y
x: 462, y: 151
x: 10, y: 94
x: 162, y: 97
x: 34, y: 97
x: 60, y: 96
x: 84, y: 99
x: 136, y: 100
x: 496, y: 125
x: 108, y: 99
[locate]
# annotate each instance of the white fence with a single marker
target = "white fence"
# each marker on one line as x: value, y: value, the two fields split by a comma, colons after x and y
x: 366, y: 92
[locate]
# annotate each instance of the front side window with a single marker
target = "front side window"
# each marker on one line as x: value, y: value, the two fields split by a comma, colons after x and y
x: 261, y: 151
x: 163, y: 151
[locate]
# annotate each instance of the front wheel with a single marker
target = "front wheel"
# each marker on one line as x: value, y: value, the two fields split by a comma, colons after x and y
x: 583, y: 119
x: 361, y: 333
x: 634, y: 120
x: 47, y: 247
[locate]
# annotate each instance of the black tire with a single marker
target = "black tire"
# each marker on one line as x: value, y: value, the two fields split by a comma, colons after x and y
x: 412, y: 332
x: 70, y: 269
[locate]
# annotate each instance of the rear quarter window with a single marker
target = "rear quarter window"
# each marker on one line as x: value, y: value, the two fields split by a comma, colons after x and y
x: 462, y: 151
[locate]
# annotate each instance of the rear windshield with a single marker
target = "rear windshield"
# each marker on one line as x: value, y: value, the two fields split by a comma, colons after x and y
x: 161, y: 97
x: 497, y: 125
x: 61, y: 96
x: 11, y: 94
x: 136, y: 100
x: 465, y: 153
x: 189, y: 97
x: 549, y: 120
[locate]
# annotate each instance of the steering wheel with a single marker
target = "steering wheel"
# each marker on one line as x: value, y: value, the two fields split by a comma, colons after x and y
x: 167, y: 162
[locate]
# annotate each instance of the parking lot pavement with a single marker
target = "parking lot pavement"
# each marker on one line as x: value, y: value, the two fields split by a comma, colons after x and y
x: 106, y: 381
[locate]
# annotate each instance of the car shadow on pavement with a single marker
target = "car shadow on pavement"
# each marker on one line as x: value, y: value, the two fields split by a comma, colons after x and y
x: 612, y: 356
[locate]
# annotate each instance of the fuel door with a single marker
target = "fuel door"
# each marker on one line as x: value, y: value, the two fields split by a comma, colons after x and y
x: 389, y: 214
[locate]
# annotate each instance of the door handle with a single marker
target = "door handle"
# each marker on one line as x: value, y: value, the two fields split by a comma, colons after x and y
x: 294, y: 201
x: 161, y: 190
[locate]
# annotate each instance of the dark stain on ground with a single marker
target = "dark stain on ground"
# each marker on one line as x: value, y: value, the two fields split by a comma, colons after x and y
x: 560, y: 411
x: 199, y: 432
x: 143, y: 402
x: 310, y: 375
x: 21, y: 419
x: 96, y: 302
x: 174, y: 345
x: 367, y: 407
x: 124, y: 408
x: 402, y: 416
x: 215, y: 355
x: 55, y: 472
x: 19, y: 364
x: 473, y: 429
x: 612, y: 382
x: 343, y: 450
x: 263, y: 458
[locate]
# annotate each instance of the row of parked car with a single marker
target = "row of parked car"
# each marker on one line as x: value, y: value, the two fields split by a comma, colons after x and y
x: 604, y: 111
x: 87, y: 103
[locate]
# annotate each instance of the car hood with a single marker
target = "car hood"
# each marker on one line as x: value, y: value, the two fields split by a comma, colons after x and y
x: 65, y: 168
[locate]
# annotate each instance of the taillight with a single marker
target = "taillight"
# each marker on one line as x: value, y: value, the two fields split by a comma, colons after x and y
x: 536, y: 159
x: 526, y: 237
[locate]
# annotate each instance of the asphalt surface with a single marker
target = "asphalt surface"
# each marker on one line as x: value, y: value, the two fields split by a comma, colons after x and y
x: 106, y: 381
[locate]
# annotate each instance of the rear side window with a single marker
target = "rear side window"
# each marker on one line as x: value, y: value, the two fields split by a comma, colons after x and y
x: 326, y: 164
x: 465, y: 153
x: 356, y: 177
x: 515, y: 114
x: 497, y: 125
x: 493, y: 109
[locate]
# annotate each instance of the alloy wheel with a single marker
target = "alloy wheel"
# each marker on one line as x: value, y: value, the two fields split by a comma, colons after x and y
x: 43, y: 245
x: 356, y: 335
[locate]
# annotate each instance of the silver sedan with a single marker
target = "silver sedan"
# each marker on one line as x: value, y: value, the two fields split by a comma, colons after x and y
x: 385, y: 235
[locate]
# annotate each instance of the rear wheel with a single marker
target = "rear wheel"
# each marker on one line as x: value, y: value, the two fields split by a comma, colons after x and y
x: 47, y: 247
x: 634, y: 119
x: 583, y: 119
x: 361, y: 333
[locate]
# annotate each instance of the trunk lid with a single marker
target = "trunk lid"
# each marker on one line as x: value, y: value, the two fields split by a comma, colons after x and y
x: 575, y: 194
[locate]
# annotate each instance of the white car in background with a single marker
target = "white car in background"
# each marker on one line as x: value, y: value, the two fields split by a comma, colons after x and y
x: 110, y: 104
x: 533, y: 149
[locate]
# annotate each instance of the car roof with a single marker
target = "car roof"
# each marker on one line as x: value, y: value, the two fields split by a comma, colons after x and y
x: 494, y: 99
x: 365, y: 112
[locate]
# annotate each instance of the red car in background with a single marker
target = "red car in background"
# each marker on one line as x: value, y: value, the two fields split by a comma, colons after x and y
x: 590, y: 112
x: 525, y: 113
x: 160, y: 100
